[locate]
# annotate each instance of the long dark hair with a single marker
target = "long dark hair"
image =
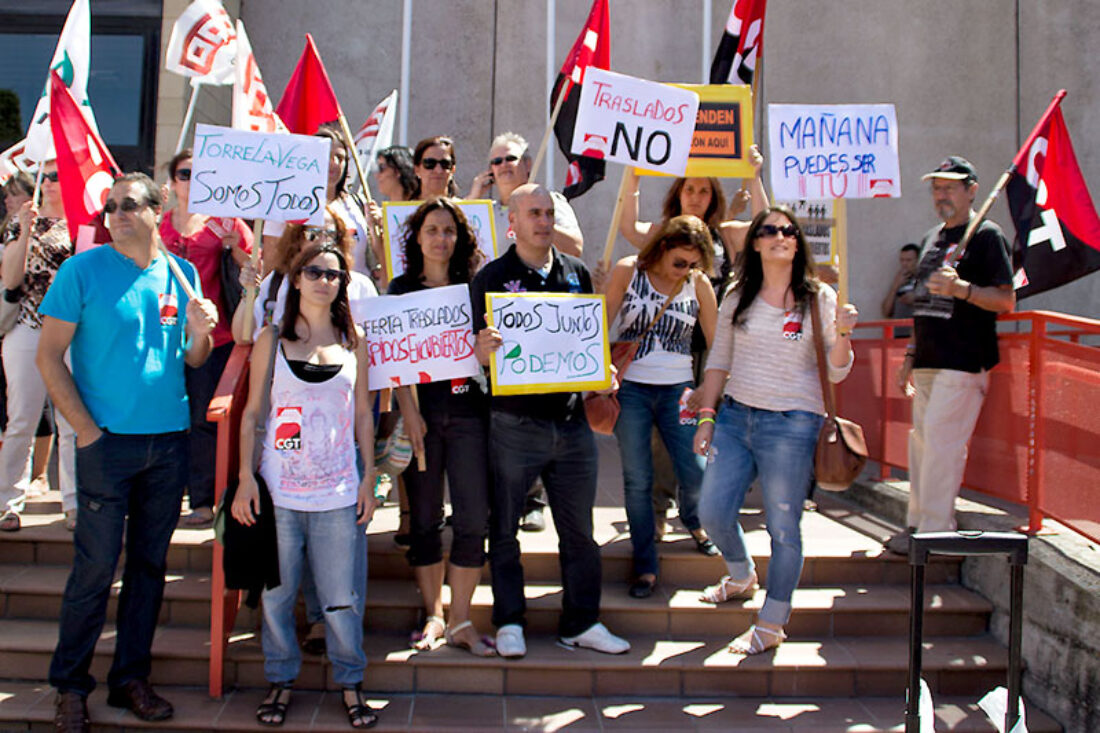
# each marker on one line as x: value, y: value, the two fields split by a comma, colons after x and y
x: 333, y: 134
x: 716, y: 209
x: 400, y: 159
x: 679, y: 231
x: 339, y: 310
x: 463, y: 259
x: 293, y: 240
x: 750, y: 268
x: 448, y: 145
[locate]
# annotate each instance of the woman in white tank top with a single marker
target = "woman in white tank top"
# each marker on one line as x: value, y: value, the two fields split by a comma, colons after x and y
x: 319, y: 410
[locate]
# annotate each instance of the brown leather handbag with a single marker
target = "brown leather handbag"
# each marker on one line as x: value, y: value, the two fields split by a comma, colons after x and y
x: 841, y: 451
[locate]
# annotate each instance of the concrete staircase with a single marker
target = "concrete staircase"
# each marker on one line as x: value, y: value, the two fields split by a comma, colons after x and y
x: 844, y: 667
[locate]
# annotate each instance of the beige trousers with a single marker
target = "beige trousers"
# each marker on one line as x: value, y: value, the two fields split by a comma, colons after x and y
x: 945, y: 410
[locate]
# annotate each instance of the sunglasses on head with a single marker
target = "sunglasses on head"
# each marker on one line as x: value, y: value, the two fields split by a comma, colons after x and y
x: 183, y: 174
x: 128, y: 205
x: 771, y: 230
x: 312, y: 234
x: 51, y: 177
x: 314, y: 273
x: 503, y: 159
x: 430, y: 163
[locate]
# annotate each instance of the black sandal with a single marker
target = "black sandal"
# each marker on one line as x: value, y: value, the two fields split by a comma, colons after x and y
x: 360, y: 714
x: 272, y: 711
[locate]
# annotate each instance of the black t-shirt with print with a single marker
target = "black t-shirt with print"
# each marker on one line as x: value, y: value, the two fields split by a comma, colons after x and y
x: 464, y: 396
x: 951, y: 333
x: 509, y: 274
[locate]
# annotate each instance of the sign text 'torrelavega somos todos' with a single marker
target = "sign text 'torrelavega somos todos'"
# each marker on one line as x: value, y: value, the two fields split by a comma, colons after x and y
x: 635, y: 122
x: 259, y: 175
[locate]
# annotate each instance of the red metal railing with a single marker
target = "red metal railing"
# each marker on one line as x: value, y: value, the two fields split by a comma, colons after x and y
x: 1037, y: 442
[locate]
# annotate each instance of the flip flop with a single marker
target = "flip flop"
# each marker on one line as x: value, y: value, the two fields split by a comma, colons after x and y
x: 483, y: 647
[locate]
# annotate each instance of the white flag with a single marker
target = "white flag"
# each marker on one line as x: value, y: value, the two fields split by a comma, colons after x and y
x: 203, y: 44
x: 71, y: 60
x: 251, y: 105
x: 376, y: 134
x: 14, y: 160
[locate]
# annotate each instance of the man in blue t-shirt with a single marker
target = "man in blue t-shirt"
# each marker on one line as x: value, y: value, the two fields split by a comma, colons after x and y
x: 116, y: 308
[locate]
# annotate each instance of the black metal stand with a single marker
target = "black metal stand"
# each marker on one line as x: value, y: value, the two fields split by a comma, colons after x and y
x: 921, y: 546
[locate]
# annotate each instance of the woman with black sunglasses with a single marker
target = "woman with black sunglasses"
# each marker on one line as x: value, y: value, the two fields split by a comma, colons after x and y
x: 763, y: 365
x: 434, y: 164
x: 205, y: 242
x: 34, y: 249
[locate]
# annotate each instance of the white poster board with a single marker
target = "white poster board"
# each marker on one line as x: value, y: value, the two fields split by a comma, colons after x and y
x: 827, y: 151
x: 479, y: 213
x: 553, y: 342
x: 635, y: 122
x: 420, y: 337
x: 259, y: 175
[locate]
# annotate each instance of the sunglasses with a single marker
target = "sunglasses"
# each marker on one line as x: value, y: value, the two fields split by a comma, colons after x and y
x: 503, y: 159
x: 128, y: 205
x: 771, y: 230
x: 52, y: 177
x: 183, y: 174
x: 430, y: 163
x: 312, y: 234
x: 314, y: 273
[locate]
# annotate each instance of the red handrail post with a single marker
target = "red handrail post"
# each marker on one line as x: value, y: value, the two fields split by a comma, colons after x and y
x: 1037, y: 444
x: 887, y: 337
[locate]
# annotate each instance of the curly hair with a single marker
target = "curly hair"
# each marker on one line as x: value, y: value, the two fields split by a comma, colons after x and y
x: 466, y: 254
x: 296, y: 237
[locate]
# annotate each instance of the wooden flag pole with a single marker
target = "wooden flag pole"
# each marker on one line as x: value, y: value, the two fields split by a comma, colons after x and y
x: 840, y: 216
x: 613, y: 230
x: 176, y: 271
x: 189, y: 115
x: 251, y: 291
x: 549, y: 130
x: 976, y: 220
x: 355, y: 156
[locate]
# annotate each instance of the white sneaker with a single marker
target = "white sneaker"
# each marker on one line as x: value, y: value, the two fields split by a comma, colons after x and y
x: 599, y: 638
x: 510, y: 642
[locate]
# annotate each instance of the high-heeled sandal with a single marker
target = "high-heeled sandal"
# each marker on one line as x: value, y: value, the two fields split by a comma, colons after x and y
x: 728, y: 589
x: 757, y: 639
x: 360, y: 714
x: 272, y: 711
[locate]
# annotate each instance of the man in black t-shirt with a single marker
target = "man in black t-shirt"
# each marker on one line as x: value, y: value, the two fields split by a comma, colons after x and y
x: 540, y: 434
x: 946, y: 368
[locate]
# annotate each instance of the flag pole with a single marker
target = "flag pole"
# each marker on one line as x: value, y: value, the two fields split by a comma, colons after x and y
x: 195, y: 84
x: 550, y: 128
x: 976, y: 220
x: 840, y: 216
x: 613, y: 230
x: 354, y: 155
x: 251, y: 292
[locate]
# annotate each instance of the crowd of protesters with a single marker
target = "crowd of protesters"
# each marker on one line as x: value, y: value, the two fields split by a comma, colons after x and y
x: 724, y: 381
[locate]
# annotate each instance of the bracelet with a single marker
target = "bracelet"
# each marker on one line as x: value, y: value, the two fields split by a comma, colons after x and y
x: 704, y: 420
x: 708, y: 411
x: 969, y: 290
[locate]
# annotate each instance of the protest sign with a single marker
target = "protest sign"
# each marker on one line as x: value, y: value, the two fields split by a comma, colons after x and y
x: 819, y: 227
x: 635, y: 122
x: 479, y: 213
x: 426, y: 336
x: 553, y: 342
x: 259, y: 175
x: 833, y: 151
x: 723, y: 132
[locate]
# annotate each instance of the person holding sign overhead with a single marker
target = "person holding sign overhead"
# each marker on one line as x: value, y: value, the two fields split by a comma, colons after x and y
x: 434, y: 165
x: 540, y: 434
x: 656, y: 298
x: 763, y: 365
x: 451, y: 428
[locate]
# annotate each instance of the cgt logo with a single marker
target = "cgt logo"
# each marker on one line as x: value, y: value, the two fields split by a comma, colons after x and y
x: 288, y: 428
x: 169, y: 309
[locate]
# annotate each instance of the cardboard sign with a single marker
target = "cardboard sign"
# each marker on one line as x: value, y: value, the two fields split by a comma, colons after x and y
x: 479, y: 212
x: 635, y: 122
x: 259, y: 175
x: 723, y: 132
x: 553, y: 342
x: 825, y: 151
x: 819, y: 227
x: 421, y: 337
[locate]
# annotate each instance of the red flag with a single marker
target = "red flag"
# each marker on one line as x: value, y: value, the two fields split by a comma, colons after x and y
x: 592, y: 48
x: 85, y: 168
x: 1057, y: 228
x: 308, y: 100
x: 741, y: 44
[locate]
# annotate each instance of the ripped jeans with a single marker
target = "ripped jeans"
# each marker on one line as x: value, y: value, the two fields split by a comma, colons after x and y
x: 326, y: 541
x: 779, y: 448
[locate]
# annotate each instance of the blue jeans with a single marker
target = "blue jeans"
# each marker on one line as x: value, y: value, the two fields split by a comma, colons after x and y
x: 643, y: 406
x: 563, y: 452
x: 328, y: 542
x: 119, y: 476
x: 779, y: 448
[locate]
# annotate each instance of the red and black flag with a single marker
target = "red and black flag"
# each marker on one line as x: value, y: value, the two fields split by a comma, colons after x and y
x: 1057, y: 228
x: 592, y: 48
x: 741, y: 44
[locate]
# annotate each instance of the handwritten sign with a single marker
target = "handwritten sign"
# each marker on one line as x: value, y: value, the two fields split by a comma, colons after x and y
x: 819, y: 227
x: 421, y: 337
x: 553, y: 342
x: 635, y: 122
x: 259, y: 175
x: 834, y: 151
x: 479, y: 212
x: 723, y: 132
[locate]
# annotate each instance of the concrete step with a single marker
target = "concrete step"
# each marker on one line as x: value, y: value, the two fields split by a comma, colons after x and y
x: 29, y: 707
x: 659, y: 664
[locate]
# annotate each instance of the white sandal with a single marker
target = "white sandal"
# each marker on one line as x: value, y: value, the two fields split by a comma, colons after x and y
x: 728, y: 589
x: 757, y: 639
